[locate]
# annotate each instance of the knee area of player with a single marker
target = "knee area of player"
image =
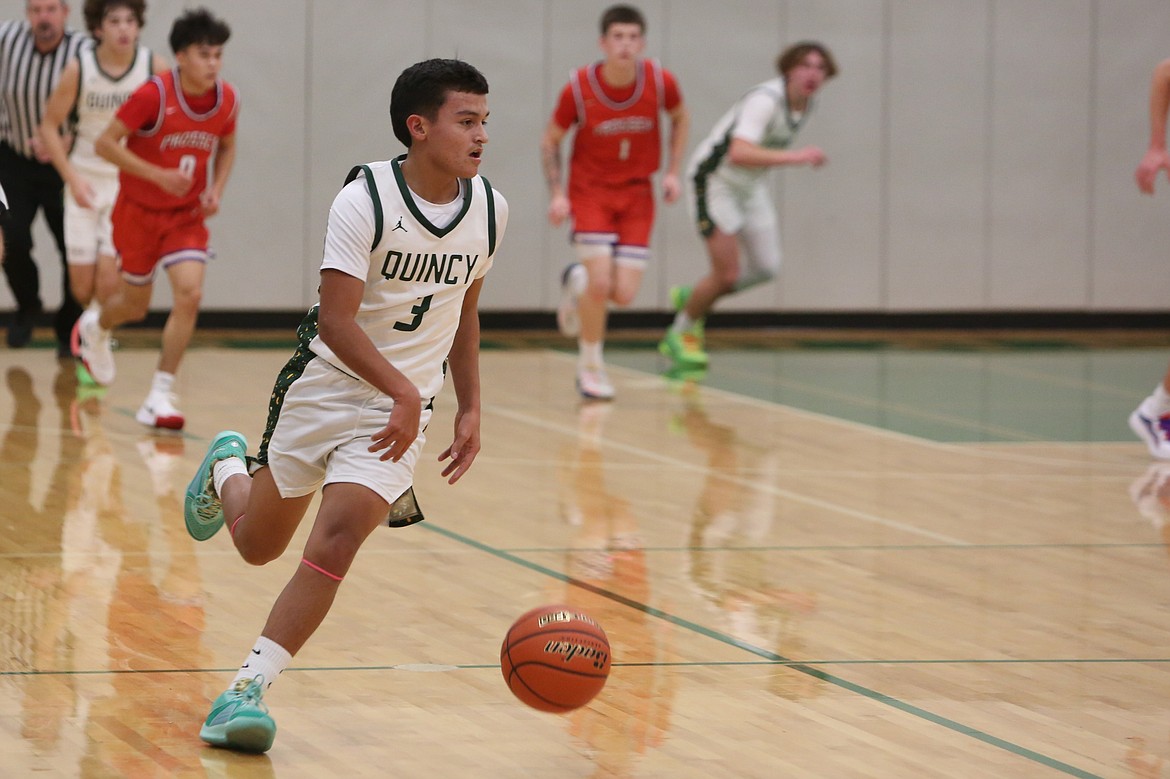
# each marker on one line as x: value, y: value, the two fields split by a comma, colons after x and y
x: 599, y: 290
x: 754, y: 277
x: 621, y: 297
x: 256, y: 555
x: 337, y: 545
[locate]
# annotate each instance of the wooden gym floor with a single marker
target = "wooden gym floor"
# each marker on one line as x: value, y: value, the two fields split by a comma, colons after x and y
x: 870, y: 555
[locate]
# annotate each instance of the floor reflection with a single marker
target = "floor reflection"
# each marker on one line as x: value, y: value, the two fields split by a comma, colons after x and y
x: 729, y: 564
x: 101, y: 597
x: 632, y: 714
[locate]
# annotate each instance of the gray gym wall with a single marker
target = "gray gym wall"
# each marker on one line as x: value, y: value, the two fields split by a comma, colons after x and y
x: 981, y: 151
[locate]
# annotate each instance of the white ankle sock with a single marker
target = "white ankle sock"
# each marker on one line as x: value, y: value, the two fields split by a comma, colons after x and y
x: 267, y: 659
x: 682, y: 322
x: 589, y: 354
x: 163, y: 382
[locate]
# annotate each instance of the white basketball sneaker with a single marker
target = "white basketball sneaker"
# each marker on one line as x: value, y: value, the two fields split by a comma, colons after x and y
x: 593, y: 383
x: 93, y: 346
x: 1153, y: 428
x: 158, y: 410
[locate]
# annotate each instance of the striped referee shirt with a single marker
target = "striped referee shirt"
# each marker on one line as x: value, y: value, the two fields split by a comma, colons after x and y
x: 27, y: 78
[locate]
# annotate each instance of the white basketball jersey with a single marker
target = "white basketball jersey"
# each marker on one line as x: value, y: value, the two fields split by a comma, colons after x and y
x: 99, y: 96
x: 416, y: 274
x: 775, y: 131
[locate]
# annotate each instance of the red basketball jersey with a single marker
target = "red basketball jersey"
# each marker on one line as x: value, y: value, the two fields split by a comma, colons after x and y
x: 168, y: 131
x: 618, y: 136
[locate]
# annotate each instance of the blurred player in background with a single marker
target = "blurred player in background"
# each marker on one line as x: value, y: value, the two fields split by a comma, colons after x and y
x: 175, y: 127
x: 732, y: 205
x: 615, y: 104
x: 91, y: 89
x: 1151, y: 420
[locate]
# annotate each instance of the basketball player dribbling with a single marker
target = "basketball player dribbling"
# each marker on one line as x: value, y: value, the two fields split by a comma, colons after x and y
x: 349, y: 410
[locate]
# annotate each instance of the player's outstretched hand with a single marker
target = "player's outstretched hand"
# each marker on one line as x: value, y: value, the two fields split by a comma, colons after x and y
x: 558, y: 210
x: 671, y: 188
x: 813, y: 156
x: 210, y: 202
x: 464, y: 448
x: 400, y: 431
x: 1147, y: 172
x: 82, y: 192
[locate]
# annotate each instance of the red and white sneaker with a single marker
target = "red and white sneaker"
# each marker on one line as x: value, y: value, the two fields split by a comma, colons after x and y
x: 158, y: 410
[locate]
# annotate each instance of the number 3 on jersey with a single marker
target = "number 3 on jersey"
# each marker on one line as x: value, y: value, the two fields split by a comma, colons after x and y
x: 424, y: 305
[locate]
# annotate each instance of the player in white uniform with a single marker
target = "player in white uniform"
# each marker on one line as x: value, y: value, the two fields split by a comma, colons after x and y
x: 406, y: 249
x: 730, y: 195
x: 93, y: 86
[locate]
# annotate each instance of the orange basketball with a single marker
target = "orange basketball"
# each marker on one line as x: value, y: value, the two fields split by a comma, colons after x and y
x: 555, y: 658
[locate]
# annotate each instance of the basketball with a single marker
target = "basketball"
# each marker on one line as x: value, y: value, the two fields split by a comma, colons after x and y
x: 555, y: 658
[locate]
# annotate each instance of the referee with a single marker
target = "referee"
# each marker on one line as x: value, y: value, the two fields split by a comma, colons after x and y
x: 32, y: 55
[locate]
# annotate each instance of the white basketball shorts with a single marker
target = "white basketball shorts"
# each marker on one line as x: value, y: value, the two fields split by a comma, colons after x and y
x: 88, y: 232
x: 747, y: 213
x: 322, y: 436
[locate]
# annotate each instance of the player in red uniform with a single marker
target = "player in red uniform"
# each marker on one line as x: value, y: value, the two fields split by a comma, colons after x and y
x: 615, y: 104
x: 174, y: 127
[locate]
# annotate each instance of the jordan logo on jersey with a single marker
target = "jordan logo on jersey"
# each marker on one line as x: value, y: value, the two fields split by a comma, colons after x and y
x: 399, y: 226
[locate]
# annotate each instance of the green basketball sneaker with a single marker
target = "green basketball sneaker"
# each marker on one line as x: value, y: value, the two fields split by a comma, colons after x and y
x: 239, y: 719
x: 679, y: 297
x: 684, y: 348
x: 202, y: 508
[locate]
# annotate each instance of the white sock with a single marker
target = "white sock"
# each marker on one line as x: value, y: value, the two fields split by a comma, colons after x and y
x: 682, y: 323
x: 97, y: 310
x: 223, y: 469
x: 163, y: 382
x: 267, y: 659
x: 589, y: 354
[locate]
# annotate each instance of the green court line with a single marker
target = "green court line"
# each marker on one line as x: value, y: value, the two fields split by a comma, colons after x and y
x: 801, y: 667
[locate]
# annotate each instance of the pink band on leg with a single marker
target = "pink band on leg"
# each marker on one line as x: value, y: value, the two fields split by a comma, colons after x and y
x: 232, y: 526
x: 320, y: 570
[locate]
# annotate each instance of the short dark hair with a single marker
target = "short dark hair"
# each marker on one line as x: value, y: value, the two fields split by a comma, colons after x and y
x: 96, y: 10
x: 794, y: 54
x: 198, y: 26
x: 422, y: 89
x: 622, y: 14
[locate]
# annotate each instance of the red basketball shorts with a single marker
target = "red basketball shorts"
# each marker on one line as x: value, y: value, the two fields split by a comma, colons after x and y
x: 619, y: 214
x: 146, y: 237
